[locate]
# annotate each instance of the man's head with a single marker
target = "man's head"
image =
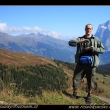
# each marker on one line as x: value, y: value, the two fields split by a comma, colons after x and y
x: 88, y: 29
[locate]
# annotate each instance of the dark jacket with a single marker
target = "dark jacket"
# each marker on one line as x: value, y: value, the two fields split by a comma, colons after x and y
x: 95, y: 42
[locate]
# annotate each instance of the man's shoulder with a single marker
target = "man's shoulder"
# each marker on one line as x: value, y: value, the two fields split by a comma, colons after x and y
x: 95, y: 37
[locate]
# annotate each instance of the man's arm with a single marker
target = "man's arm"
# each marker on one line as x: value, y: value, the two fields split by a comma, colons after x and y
x: 97, y: 50
x: 73, y: 42
x: 76, y: 41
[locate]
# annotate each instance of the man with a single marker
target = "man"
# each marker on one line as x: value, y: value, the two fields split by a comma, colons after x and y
x: 88, y: 49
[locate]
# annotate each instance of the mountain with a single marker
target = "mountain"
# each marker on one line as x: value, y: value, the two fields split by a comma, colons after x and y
x: 38, y: 44
x: 103, y: 33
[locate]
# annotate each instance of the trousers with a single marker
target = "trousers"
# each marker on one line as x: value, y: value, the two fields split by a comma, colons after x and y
x: 80, y: 71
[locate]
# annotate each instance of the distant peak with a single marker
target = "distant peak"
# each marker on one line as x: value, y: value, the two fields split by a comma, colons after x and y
x: 31, y: 34
x: 107, y: 24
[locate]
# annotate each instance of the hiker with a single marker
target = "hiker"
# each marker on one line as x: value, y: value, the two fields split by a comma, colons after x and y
x: 87, y: 59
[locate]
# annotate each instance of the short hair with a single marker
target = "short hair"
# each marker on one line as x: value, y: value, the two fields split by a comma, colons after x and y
x: 87, y: 25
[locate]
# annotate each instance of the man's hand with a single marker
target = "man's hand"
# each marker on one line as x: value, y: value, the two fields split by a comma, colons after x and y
x: 88, y: 48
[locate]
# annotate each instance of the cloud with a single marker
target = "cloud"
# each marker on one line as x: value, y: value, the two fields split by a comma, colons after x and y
x: 3, y: 27
x: 24, y: 30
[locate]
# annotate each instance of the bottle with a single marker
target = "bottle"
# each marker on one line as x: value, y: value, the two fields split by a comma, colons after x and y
x: 87, y: 44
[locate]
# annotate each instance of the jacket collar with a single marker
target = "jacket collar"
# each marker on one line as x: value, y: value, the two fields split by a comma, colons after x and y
x: 90, y: 37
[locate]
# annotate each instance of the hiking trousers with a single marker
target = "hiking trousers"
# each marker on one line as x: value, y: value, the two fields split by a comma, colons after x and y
x: 80, y: 71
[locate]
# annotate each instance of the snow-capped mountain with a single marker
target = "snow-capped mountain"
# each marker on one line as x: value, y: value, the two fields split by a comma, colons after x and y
x: 103, y: 32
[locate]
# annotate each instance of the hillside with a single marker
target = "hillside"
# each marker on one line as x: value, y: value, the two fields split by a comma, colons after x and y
x: 25, y: 65
x: 22, y: 59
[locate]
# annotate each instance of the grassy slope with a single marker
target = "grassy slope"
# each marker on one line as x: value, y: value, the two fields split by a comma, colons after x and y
x: 22, y: 59
x: 51, y: 98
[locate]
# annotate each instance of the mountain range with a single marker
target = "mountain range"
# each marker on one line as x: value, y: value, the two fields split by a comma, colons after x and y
x: 39, y: 44
x: 47, y: 46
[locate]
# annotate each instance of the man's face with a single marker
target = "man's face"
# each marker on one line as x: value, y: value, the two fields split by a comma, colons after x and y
x: 88, y: 29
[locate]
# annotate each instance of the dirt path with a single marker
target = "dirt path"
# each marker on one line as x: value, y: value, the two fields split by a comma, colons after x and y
x: 103, y: 98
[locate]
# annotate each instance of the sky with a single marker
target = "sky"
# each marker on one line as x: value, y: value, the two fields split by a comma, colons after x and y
x: 63, y: 22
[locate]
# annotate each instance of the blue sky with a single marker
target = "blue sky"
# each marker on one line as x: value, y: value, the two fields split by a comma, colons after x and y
x: 64, y: 22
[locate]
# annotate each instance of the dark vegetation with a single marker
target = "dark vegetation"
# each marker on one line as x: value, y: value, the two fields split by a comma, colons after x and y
x: 31, y: 80
x: 104, y: 69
